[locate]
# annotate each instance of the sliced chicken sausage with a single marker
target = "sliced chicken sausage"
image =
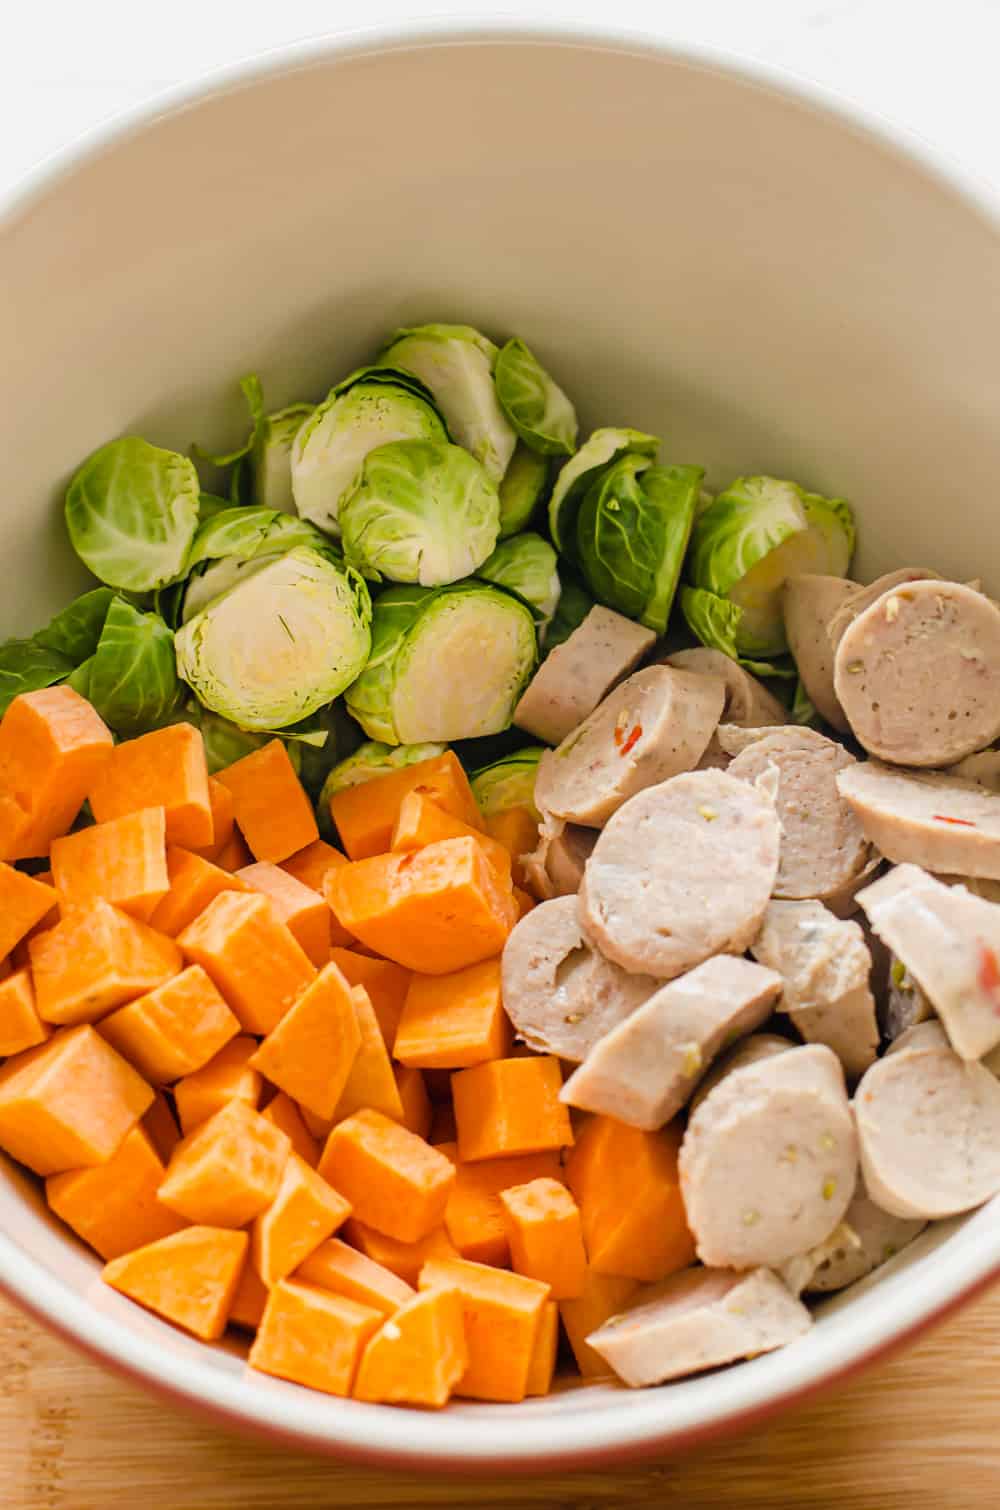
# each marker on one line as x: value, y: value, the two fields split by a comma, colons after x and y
x: 937, y: 822
x: 561, y: 995
x: 809, y: 602
x: 748, y: 702
x: 683, y: 871
x: 918, y: 674
x: 863, y: 597
x: 769, y: 1160
x: 749, y: 1051
x: 699, y: 1319
x: 555, y: 867
x: 929, y: 1129
x: 643, y: 1071
x: 878, y: 1236
x: 574, y: 677
x: 656, y: 724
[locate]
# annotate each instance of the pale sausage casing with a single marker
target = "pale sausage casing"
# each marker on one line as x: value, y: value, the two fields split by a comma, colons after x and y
x: 809, y: 603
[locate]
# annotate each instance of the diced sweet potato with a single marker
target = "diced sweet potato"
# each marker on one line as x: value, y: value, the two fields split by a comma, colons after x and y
x: 603, y: 1295
x: 474, y: 1216
x: 336, y: 1266
x: 421, y: 821
x: 435, y: 910
x: 52, y: 746
x: 250, y: 1300
x: 24, y: 902
x: 228, y: 1170
x: 453, y: 1021
x: 546, y: 1240
x: 443, y: 1129
x: 234, y: 854
x: 313, y: 1048
x: 251, y: 956
x: 310, y: 866
x: 161, y: 1125
x: 510, y: 1106
x: 312, y: 1337
x: 366, y: 814
x: 123, y: 862
x: 405, y: 1260
x: 304, y: 1213
x: 220, y: 801
x: 370, y: 1082
x: 20, y: 1025
x: 272, y: 811
x: 96, y: 959
x: 189, y: 1278
x: 283, y: 1113
x: 503, y: 1314
x: 543, y: 1358
x: 228, y: 1076
x: 517, y: 831
x: 394, y: 1180
x: 416, y: 1102
x: 173, y: 1030
x: 418, y: 1355
x: 386, y: 983
x: 114, y: 1206
x: 69, y: 1103
x: 194, y: 882
x: 167, y: 769
x: 303, y: 911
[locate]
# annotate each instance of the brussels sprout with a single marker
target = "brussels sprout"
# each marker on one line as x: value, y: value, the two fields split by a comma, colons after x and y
x: 76, y: 631
x: 632, y: 531
x: 371, y: 760
x: 536, y: 406
x: 224, y: 741
x: 456, y: 364
x: 526, y: 565
x: 27, y: 666
x: 281, y: 644
x: 446, y: 663
x: 131, y: 512
x: 598, y: 451
x: 235, y: 543
x: 270, y: 456
x: 714, y: 622
x: 509, y: 782
x: 370, y: 408
x: 522, y: 488
x: 753, y: 536
x: 574, y: 605
x: 421, y: 511
x: 131, y: 678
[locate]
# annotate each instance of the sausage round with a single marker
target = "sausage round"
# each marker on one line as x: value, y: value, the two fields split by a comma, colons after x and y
x: 809, y: 602
x: 928, y: 1129
x: 555, y: 867
x: 864, y: 597
x: 656, y: 724
x: 681, y: 872
x: 983, y: 769
x: 750, y: 1051
x: 934, y: 821
x: 561, y: 995
x: 769, y: 1160
x: 918, y: 674
x: 879, y: 1236
x: 574, y: 676
x: 748, y: 702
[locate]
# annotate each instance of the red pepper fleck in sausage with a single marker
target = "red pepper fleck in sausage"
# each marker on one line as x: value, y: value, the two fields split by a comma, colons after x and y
x: 943, y: 818
x: 989, y: 973
x: 633, y: 739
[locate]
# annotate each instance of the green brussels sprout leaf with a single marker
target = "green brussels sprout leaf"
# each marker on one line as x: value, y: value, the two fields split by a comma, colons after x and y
x: 536, y: 406
x: 27, y: 666
x: 526, y: 565
x: 522, y: 489
x: 508, y: 782
x: 576, y: 476
x: 132, y: 675
x: 715, y: 622
x: 77, y: 630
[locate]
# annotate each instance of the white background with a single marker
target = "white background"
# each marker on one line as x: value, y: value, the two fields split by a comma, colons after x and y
x: 931, y: 65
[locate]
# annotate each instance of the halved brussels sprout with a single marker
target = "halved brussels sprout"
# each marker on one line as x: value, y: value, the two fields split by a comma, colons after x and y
x: 522, y: 488
x: 632, y: 531
x: 508, y: 782
x: 715, y: 621
x: 270, y: 456
x: 370, y: 408
x: 534, y: 403
x: 371, y: 760
x: 281, y: 644
x: 131, y: 513
x: 574, y: 605
x: 421, y: 511
x: 598, y: 451
x: 526, y: 565
x: 446, y: 663
x: 236, y: 542
x: 456, y: 364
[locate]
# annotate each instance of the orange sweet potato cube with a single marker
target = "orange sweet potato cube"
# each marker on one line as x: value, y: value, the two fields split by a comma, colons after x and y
x: 220, y: 801
x: 228, y: 1076
x: 338, y: 1267
x: 405, y: 1260
x: 517, y: 831
x: 474, y: 1216
x: 395, y: 1181
x: 370, y: 1083
x: 636, y: 1226
x: 167, y: 769
x: 161, y: 1125
x: 173, y: 1030
x: 435, y: 909
x: 503, y: 1313
x: 366, y: 814
x: 283, y: 1113
x: 418, y: 1355
x: 453, y: 1021
x: 545, y: 1236
x: 510, y: 1106
x: 24, y: 902
x: 421, y: 821
x: 310, y: 1053
x: 251, y: 957
x: 386, y: 983
x: 234, y: 854
x: 68, y: 1103
x: 189, y: 1278
x: 96, y: 959
x: 543, y: 1359
x: 272, y: 811
x: 312, y: 1337
x: 603, y: 1295
x: 194, y: 882
x: 52, y: 746
x: 304, y: 1213
x: 114, y: 1206
x: 250, y: 1300
x: 228, y: 1170
x: 303, y: 911
x: 20, y: 1025
x: 417, y: 1111
x: 124, y: 862
x: 310, y: 866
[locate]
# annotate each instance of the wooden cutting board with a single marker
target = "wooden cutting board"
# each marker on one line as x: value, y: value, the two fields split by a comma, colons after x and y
x: 920, y: 1431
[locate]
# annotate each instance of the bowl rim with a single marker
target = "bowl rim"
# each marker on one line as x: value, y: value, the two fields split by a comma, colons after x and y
x: 486, y: 1439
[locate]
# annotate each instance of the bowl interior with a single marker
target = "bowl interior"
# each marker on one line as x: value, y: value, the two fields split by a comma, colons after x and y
x: 768, y: 286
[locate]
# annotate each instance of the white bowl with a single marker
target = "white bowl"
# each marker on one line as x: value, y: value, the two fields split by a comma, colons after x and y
x: 768, y: 280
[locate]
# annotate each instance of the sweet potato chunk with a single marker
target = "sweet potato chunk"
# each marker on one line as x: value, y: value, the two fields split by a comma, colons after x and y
x: 167, y: 769
x: 228, y: 1170
x: 52, y: 746
x: 272, y: 811
x: 251, y: 956
x: 189, y: 1278
x: 312, y: 1337
x: 114, y: 1206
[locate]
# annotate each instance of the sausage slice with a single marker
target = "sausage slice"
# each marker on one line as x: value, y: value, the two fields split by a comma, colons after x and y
x: 681, y: 872
x: 928, y: 1129
x: 769, y: 1160
x: 574, y: 677
x: 749, y: 1051
x: 863, y: 597
x: 809, y: 602
x: 644, y: 1070
x: 878, y: 1236
x: 937, y: 822
x: 983, y: 769
x: 561, y: 995
x: 555, y: 867
x: 699, y: 1319
x: 918, y: 674
x: 748, y: 702
x: 656, y: 724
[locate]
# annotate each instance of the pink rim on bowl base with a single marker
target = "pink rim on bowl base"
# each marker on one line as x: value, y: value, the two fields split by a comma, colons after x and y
x: 57, y: 1283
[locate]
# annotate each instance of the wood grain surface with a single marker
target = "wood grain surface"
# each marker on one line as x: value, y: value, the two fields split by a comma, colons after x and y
x: 921, y: 1431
